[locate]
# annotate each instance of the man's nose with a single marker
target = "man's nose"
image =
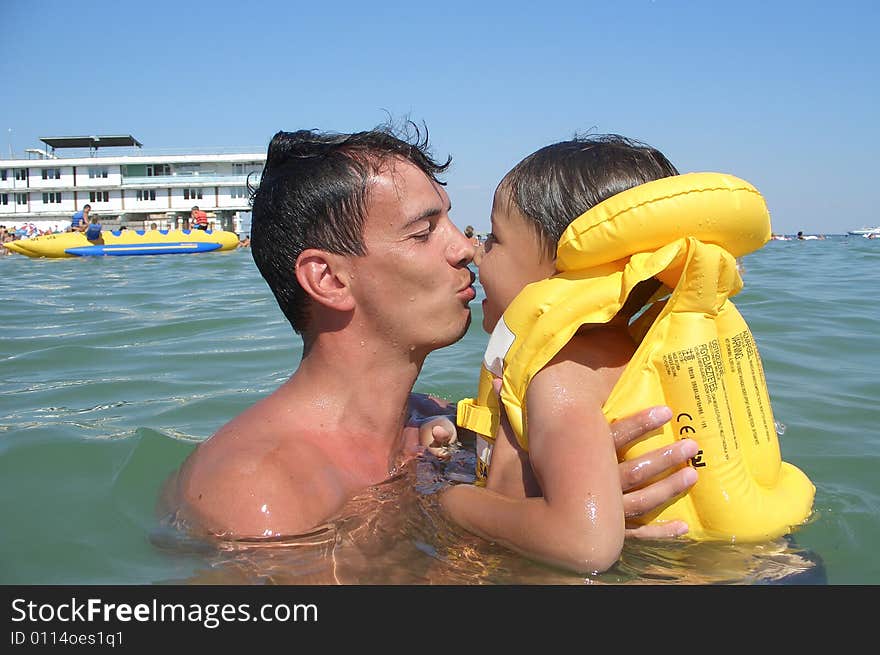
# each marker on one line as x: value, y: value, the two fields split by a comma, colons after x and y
x: 461, y: 251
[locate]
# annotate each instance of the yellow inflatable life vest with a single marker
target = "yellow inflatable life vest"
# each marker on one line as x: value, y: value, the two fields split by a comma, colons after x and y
x: 695, y: 352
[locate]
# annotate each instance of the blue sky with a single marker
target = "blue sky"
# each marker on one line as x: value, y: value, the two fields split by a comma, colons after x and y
x: 783, y: 94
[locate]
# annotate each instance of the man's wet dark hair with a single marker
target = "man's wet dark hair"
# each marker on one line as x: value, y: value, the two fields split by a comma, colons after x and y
x: 313, y: 193
x: 558, y: 183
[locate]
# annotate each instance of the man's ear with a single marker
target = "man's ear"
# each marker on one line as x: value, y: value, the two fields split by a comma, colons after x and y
x: 324, y: 276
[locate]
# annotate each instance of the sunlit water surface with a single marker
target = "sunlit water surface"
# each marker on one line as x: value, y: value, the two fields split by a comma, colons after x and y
x: 114, y: 368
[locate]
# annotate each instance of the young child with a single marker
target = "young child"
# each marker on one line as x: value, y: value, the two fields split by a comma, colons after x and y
x: 607, y: 287
x: 561, y: 502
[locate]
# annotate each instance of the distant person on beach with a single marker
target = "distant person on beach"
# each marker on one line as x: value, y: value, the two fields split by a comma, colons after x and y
x: 475, y: 242
x: 199, y: 218
x: 353, y: 236
x: 93, y: 231
x: 80, y: 220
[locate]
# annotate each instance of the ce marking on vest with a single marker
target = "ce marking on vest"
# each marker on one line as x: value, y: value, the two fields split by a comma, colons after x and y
x: 687, y: 429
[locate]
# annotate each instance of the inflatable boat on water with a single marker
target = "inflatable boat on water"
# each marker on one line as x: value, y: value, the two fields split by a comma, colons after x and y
x: 866, y: 231
x: 126, y: 242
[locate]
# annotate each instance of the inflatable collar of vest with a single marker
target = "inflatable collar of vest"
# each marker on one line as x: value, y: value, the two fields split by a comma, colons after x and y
x: 695, y: 352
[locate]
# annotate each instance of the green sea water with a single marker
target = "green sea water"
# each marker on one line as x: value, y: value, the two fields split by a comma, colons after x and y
x: 113, y: 368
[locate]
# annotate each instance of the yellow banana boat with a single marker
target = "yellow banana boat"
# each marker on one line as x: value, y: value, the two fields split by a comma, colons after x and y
x: 126, y: 242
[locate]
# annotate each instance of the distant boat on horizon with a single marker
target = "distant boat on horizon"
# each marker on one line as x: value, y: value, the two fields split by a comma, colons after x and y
x: 865, y: 231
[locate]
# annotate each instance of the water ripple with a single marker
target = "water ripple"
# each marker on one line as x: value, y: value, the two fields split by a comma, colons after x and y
x: 114, y: 368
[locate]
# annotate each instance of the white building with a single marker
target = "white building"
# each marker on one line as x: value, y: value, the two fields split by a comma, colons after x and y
x: 136, y: 189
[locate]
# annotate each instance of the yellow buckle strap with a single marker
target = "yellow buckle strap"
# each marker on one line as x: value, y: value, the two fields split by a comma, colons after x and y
x: 478, y: 418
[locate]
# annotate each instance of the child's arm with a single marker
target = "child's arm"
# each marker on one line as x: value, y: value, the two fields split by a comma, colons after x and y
x: 648, y: 481
x: 578, y: 523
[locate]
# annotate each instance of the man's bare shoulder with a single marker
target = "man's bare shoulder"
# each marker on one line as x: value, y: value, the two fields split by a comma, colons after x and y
x: 236, y: 484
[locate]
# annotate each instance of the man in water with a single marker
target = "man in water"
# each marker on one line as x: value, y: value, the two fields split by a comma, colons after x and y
x: 93, y: 231
x: 80, y: 220
x: 199, y: 218
x: 353, y: 235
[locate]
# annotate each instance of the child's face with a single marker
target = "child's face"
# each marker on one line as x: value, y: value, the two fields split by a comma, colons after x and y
x: 513, y: 257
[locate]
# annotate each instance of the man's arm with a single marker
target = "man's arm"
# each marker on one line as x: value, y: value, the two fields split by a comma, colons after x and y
x: 668, y: 461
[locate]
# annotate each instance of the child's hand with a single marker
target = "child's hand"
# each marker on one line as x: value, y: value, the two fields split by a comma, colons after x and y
x: 437, y: 434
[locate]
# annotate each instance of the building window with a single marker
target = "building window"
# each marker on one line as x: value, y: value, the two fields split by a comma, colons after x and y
x: 238, y: 192
x: 188, y: 169
x: 97, y: 171
x: 4, y: 198
x: 53, y: 198
x: 154, y: 170
x: 99, y: 196
x: 146, y: 194
x: 247, y: 168
x: 192, y: 194
x: 21, y: 174
x: 51, y: 173
x: 3, y: 173
x: 21, y: 198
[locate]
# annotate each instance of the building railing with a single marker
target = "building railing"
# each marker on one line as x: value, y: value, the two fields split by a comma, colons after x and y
x: 83, y: 153
x: 195, y: 179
